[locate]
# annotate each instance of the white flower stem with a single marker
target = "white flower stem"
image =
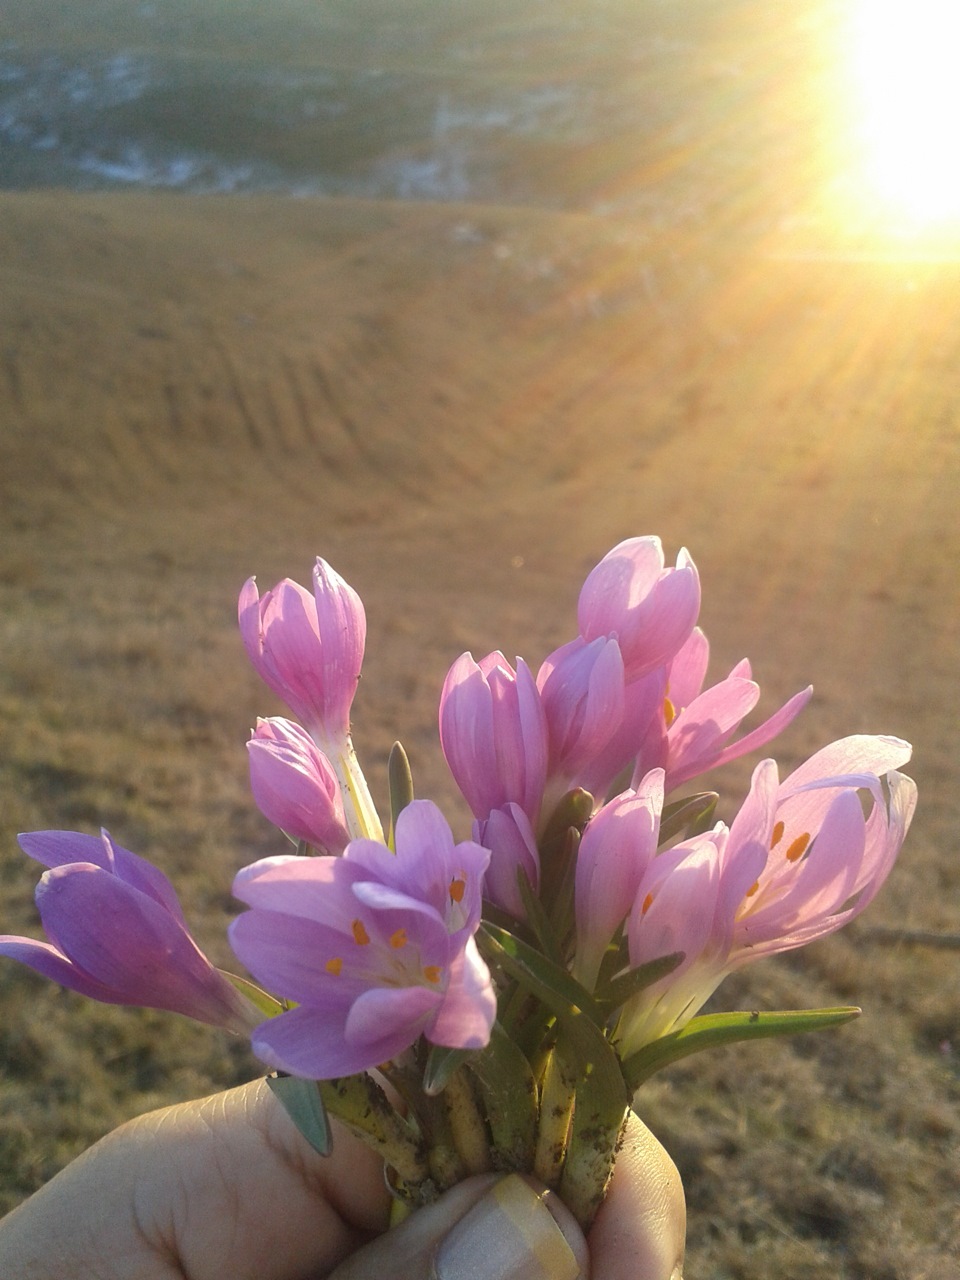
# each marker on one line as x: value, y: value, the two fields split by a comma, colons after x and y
x: 556, y: 1107
x: 360, y: 813
x: 360, y: 1104
x: 466, y: 1124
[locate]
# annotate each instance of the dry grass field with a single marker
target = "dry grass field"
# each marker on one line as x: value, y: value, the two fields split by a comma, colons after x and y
x: 462, y: 406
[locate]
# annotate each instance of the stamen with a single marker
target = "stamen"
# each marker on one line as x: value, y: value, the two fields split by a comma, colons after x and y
x: 797, y: 847
x: 432, y: 972
x: 647, y: 904
x: 753, y: 889
x: 669, y: 712
x: 334, y: 966
x: 777, y: 835
x: 360, y: 935
x: 398, y: 939
x: 457, y: 888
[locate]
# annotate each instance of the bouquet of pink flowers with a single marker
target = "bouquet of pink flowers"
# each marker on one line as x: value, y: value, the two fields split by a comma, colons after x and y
x: 496, y: 1002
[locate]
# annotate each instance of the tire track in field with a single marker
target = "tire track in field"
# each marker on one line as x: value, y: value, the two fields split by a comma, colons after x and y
x: 239, y: 398
x: 312, y: 437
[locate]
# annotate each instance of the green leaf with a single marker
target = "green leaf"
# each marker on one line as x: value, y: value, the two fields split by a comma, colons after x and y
x: 302, y: 1102
x: 400, y: 783
x: 509, y: 1094
x: 619, y: 990
x: 573, y: 810
x: 600, y: 1106
x: 691, y: 816
x: 556, y: 850
x: 561, y: 903
x: 552, y: 985
x: 589, y: 1058
x: 440, y: 1066
x: 537, y: 918
x: 268, y: 1005
x: 712, y: 1030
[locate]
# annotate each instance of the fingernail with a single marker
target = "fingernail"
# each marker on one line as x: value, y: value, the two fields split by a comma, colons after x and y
x: 508, y: 1235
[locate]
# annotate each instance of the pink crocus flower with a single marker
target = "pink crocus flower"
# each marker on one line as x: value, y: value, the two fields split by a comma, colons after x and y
x: 582, y: 691
x: 295, y: 786
x: 618, y: 844
x: 649, y: 609
x: 375, y: 948
x: 494, y: 735
x: 800, y: 860
x: 642, y: 705
x: 308, y: 648
x: 507, y: 833
x: 117, y: 933
x: 692, y: 730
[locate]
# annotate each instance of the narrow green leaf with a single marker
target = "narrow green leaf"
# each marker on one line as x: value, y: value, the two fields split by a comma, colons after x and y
x: 302, y: 1102
x: 712, y: 1030
x: 440, y: 1066
x: 600, y: 1106
x: 268, y: 1005
x: 561, y: 902
x: 690, y: 816
x: 619, y: 990
x: 552, y: 985
x: 537, y: 918
x: 572, y: 812
x: 509, y: 1094
x: 400, y: 783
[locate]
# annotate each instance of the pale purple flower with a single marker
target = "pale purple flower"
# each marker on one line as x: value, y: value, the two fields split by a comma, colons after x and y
x: 117, y: 933
x: 692, y: 731
x: 642, y: 706
x: 294, y: 785
x: 687, y: 902
x: 308, y: 648
x: 507, y: 833
x: 494, y: 735
x: 800, y: 860
x: 827, y: 861
x: 374, y: 948
x: 618, y: 844
x: 582, y: 691
x: 647, y: 608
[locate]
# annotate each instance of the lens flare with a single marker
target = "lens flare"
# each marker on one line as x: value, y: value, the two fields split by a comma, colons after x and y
x: 906, y: 91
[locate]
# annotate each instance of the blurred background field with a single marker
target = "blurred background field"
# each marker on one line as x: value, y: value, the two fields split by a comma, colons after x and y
x: 457, y: 296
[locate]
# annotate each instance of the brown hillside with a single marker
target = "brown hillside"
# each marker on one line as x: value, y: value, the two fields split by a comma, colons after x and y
x: 462, y: 408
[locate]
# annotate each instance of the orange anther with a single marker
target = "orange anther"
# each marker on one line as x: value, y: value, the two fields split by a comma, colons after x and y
x: 797, y: 847
x: 360, y: 935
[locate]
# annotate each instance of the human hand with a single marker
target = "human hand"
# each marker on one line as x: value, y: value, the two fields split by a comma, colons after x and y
x: 226, y: 1189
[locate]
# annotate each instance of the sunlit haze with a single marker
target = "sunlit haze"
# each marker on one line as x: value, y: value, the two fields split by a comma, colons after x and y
x: 906, y: 107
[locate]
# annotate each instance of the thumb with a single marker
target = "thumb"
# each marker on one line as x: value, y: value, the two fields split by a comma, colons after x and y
x: 482, y: 1229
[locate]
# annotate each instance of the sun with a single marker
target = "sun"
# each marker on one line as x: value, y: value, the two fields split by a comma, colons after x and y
x: 905, y: 85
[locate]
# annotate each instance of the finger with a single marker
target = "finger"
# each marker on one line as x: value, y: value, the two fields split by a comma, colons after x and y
x: 224, y: 1186
x: 483, y: 1229
x: 640, y: 1228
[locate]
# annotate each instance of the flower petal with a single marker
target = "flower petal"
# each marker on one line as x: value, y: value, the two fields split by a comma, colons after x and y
x: 60, y: 848
x: 466, y: 1016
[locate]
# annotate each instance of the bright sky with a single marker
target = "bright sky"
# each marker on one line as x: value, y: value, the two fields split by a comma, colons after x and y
x: 905, y: 60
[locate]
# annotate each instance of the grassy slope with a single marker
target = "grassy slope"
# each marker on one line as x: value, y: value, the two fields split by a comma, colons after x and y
x: 462, y: 408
